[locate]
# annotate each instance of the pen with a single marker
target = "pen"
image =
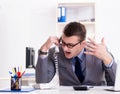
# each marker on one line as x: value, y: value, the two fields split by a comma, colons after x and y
x: 15, y: 70
x: 18, y: 68
x: 22, y: 73
x: 18, y: 74
x: 11, y: 73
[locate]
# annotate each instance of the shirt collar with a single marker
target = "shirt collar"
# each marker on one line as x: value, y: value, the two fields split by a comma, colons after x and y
x: 81, y: 55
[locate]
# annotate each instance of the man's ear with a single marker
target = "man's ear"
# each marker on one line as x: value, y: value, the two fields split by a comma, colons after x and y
x: 83, y: 43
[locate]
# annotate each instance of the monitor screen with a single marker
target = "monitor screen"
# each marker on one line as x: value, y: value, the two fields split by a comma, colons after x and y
x: 30, y: 57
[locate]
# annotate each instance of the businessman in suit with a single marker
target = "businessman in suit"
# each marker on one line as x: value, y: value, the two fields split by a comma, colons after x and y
x: 97, y: 65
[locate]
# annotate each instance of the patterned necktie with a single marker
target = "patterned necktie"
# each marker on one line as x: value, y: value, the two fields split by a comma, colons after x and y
x: 78, y: 70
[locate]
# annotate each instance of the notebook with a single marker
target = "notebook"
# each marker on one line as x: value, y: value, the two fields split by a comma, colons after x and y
x: 116, y: 87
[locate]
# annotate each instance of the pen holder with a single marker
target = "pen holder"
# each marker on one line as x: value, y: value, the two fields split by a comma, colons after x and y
x: 16, y: 83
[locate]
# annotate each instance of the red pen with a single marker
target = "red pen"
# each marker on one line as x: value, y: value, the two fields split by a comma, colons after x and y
x: 18, y: 74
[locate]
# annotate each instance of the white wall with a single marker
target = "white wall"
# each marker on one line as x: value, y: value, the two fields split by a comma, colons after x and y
x: 29, y: 23
x: 23, y: 23
x: 108, y: 18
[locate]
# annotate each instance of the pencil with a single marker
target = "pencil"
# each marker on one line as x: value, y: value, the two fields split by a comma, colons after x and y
x: 22, y: 73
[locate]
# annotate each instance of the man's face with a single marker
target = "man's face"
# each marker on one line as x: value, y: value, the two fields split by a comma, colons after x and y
x: 72, y: 46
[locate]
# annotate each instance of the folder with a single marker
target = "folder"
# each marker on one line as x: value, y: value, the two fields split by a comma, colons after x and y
x: 61, y: 14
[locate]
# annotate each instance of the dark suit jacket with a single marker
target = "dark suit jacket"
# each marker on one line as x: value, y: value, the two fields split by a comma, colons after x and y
x: 96, y: 73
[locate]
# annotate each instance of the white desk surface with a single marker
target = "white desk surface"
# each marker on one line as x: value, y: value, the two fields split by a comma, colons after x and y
x: 61, y: 90
x: 70, y: 90
x: 67, y: 90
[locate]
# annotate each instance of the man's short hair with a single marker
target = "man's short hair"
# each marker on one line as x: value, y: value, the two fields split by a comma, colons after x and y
x: 75, y: 29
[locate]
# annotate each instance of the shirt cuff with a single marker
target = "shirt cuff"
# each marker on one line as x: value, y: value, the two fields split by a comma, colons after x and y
x: 109, y: 65
x: 43, y: 56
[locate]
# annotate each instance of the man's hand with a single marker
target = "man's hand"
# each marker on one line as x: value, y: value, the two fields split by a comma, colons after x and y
x: 98, y: 50
x: 51, y: 40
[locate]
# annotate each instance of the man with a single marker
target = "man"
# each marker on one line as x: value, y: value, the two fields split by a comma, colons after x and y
x: 97, y: 65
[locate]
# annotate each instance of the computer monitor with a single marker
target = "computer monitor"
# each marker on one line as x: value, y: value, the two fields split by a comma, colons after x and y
x: 30, y: 57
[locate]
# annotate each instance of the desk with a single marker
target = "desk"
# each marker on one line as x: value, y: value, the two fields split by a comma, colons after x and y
x: 69, y: 90
x: 5, y: 83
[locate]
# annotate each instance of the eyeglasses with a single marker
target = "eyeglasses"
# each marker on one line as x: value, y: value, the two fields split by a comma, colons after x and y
x: 69, y: 45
